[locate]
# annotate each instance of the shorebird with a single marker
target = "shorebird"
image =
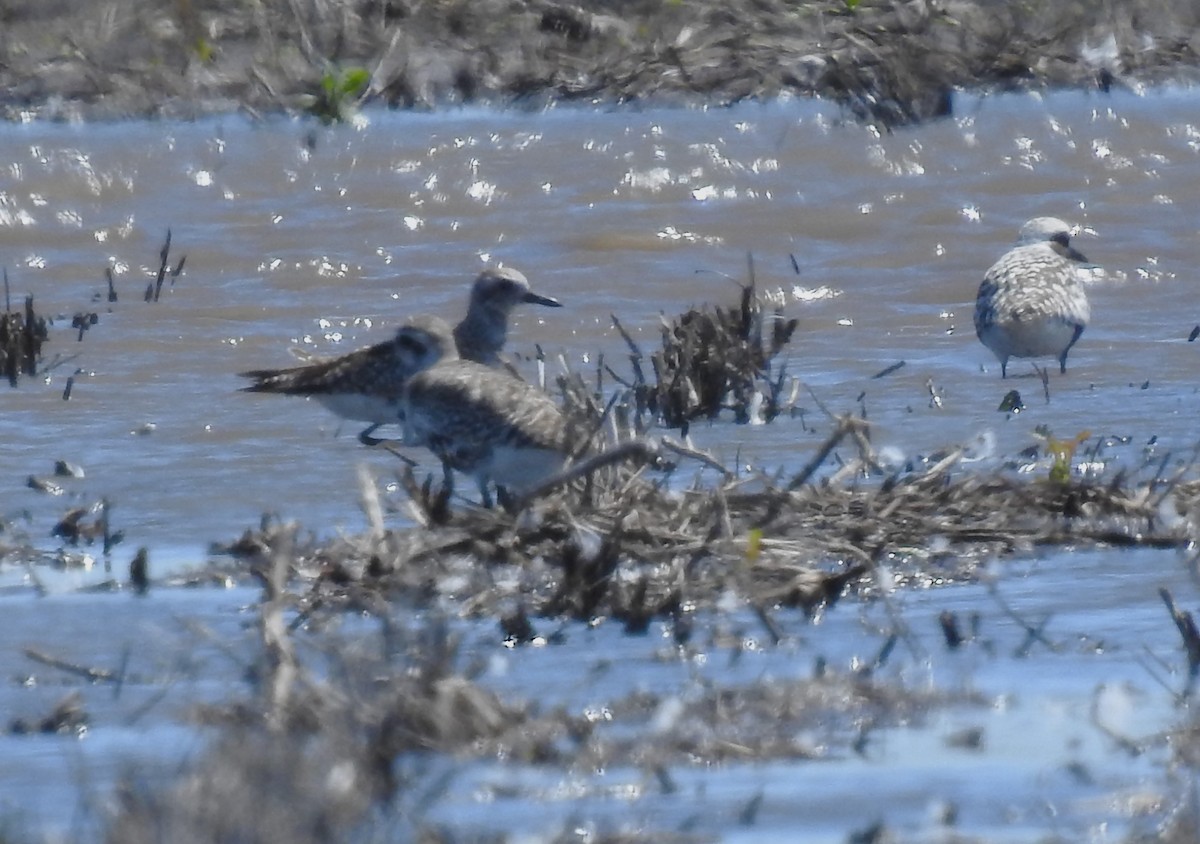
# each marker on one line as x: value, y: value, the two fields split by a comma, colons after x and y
x: 355, y: 386
x: 366, y: 385
x: 487, y: 424
x: 496, y: 291
x: 1031, y: 302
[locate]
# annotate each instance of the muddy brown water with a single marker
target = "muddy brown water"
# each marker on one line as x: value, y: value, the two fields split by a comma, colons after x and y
x: 323, y: 239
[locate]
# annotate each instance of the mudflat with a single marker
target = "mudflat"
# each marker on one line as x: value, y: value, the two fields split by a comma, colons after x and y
x: 887, y: 61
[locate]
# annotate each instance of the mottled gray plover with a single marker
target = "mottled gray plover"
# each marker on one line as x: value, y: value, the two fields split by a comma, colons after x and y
x: 487, y: 424
x: 1031, y: 302
x: 366, y: 385
x: 496, y: 291
x: 354, y: 386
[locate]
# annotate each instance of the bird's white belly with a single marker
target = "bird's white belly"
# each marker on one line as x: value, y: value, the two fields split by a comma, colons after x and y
x: 1029, y: 338
x: 361, y: 407
x: 521, y: 469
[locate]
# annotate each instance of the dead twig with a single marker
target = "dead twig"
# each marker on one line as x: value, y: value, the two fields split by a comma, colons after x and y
x: 1186, y: 625
x: 1033, y: 632
x: 92, y: 675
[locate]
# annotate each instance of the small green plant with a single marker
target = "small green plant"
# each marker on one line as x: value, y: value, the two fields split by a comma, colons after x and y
x: 1063, y: 452
x: 851, y: 5
x: 204, y: 50
x: 337, y: 99
x: 754, y: 545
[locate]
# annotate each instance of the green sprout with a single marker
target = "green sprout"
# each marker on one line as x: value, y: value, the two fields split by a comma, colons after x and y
x: 204, y: 50
x: 1063, y: 452
x: 754, y: 545
x: 337, y: 99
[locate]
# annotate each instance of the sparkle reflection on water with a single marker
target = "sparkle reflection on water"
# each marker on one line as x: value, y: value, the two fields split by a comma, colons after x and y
x: 875, y: 242
x: 636, y: 214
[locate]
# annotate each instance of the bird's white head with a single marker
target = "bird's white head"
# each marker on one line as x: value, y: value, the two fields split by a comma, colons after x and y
x: 1045, y: 229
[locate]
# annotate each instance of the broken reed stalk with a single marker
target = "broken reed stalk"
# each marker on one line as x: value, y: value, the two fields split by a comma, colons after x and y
x: 1034, y: 631
x: 712, y: 359
x: 178, y: 268
x: 1186, y: 625
x: 21, y: 337
x: 846, y: 425
x: 34, y: 333
x: 631, y: 450
x: 110, y: 538
x: 279, y: 666
x: 369, y: 502
x: 92, y: 675
x: 162, y: 266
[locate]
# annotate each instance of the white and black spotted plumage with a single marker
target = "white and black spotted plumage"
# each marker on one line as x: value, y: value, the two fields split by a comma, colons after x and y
x: 487, y: 424
x: 1031, y: 302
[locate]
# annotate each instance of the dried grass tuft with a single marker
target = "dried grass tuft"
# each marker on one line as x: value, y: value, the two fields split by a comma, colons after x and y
x: 713, y: 359
x: 22, y: 334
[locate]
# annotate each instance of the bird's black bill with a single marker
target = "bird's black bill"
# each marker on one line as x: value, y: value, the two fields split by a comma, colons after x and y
x: 532, y: 298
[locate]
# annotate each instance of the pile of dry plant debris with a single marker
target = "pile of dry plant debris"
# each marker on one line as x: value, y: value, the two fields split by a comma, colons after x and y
x: 626, y: 541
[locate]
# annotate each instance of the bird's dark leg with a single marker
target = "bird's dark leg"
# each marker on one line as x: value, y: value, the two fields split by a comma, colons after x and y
x: 485, y: 497
x: 506, y: 499
x: 441, y: 501
x: 1004, y: 368
x: 365, y: 437
x: 1062, y: 361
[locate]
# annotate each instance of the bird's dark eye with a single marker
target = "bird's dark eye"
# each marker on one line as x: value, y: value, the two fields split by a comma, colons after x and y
x: 409, y: 343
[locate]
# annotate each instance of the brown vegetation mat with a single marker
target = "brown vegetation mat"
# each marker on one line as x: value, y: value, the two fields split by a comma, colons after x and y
x: 893, y: 61
x: 336, y: 740
x: 632, y: 549
x: 370, y: 737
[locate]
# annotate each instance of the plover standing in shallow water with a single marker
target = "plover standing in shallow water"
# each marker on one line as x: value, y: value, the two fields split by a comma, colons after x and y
x: 356, y: 386
x: 366, y: 385
x: 485, y: 423
x: 1031, y: 302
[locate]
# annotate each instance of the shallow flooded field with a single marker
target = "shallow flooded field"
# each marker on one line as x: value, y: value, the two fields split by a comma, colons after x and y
x: 324, y: 239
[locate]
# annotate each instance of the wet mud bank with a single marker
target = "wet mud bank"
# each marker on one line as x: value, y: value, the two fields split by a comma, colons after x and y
x: 890, y: 62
